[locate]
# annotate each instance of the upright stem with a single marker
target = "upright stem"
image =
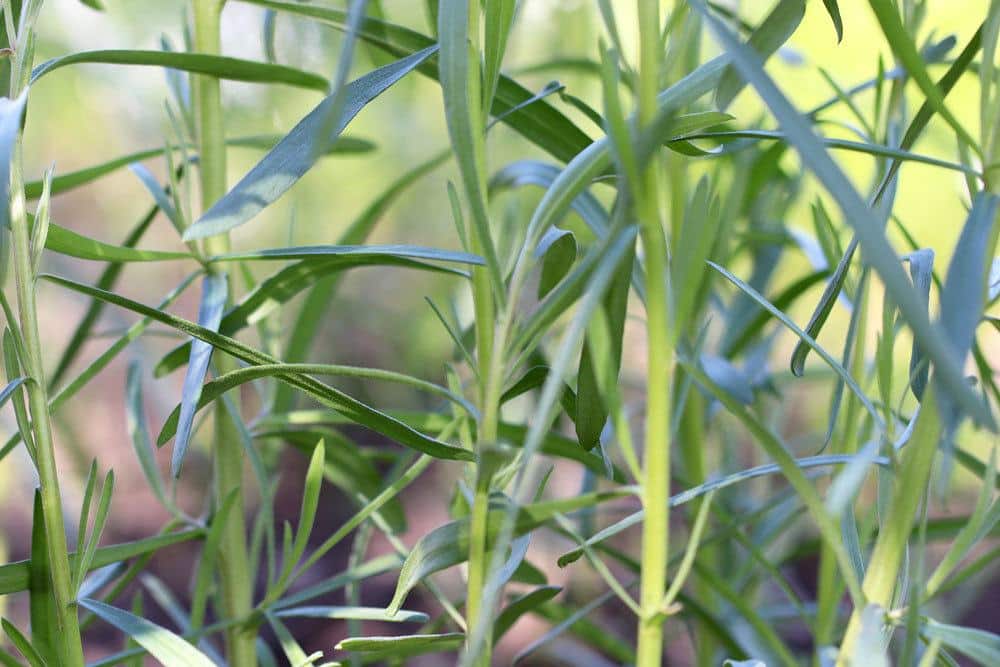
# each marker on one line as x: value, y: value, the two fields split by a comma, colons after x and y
x: 656, y: 466
x: 68, y: 631
x: 235, y: 578
x: 71, y: 647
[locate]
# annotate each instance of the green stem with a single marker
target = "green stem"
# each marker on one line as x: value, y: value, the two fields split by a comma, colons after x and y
x: 656, y: 475
x: 68, y: 630
x: 235, y: 579
x: 914, y: 473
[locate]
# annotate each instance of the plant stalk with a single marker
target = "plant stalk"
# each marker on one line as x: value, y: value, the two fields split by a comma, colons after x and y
x: 235, y: 578
x: 659, y: 336
x: 68, y: 631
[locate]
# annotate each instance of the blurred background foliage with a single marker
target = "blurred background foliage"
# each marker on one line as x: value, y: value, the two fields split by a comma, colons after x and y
x: 86, y: 114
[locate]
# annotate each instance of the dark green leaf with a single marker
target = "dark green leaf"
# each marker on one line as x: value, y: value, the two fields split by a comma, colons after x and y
x: 221, y: 67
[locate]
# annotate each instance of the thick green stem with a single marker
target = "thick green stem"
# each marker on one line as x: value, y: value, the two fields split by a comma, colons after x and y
x: 235, y: 579
x: 68, y: 631
x: 656, y: 464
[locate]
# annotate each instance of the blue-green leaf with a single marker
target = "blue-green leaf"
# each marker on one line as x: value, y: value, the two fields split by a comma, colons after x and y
x: 162, y: 644
x: 296, y: 153
x: 215, y: 291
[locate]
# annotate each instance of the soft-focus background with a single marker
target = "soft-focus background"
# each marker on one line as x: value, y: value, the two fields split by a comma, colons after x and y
x: 86, y: 114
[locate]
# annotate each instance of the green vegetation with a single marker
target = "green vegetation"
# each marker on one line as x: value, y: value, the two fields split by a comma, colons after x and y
x: 611, y: 399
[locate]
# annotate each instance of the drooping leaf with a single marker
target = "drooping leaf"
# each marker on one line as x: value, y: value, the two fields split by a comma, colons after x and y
x: 833, y: 9
x: 540, y: 123
x: 295, y: 154
x: 300, y: 376
x: 139, y: 432
x: 348, y: 406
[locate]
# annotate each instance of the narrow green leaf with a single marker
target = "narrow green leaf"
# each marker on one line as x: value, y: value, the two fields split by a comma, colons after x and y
x: 981, y: 646
x: 348, y: 406
x: 215, y: 292
x: 220, y: 67
x: 833, y: 9
x: 905, y: 50
x: 85, y: 561
x: 353, y: 613
x: 74, y: 179
x: 22, y: 644
x: 963, y: 295
x: 540, y: 123
x: 40, y: 228
x: 520, y: 606
x: 41, y: 599
x: 767, y: 38
x: 558, y: 252
x: 293, y: 156
x: 299, y: 376
x: 406, y: 646
x: 461, y: 86
x: 448, y: 545
x: 878, y: 252
x: 162, y: 644
x: 139, y: 432
x: 499, y: 15
x: 282, y: 286
x: 15, y: 577
x: 67, y: 242
x: 921, y: 272
x: 319, y: 252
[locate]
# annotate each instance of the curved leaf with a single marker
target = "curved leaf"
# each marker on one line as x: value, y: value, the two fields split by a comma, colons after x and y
x: 296, y: 153
x: 221, y: 67
x: 162, y: 644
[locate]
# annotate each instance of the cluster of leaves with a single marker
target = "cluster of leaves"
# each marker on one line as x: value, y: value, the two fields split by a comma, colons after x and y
x: 645, y: 223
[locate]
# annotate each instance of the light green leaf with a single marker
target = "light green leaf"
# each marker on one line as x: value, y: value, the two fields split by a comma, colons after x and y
x: 67, y: 242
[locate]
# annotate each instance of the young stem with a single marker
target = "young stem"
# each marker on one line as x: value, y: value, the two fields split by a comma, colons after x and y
x: 914, y: 473
x: 68, y: 631
x: 656, y: 465
x: 235, y: 579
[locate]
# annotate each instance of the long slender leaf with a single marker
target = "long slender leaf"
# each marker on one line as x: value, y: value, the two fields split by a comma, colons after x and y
x: 162, y: 644
x: 878, y: 251
x: 295, y: 154
x: 350, y: 407
x: 220, y: 67
x: 215, y: 292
